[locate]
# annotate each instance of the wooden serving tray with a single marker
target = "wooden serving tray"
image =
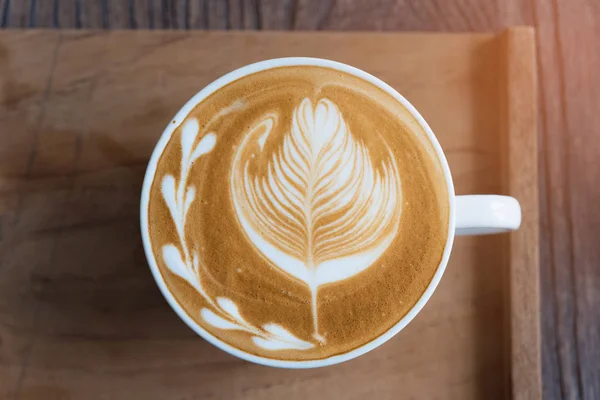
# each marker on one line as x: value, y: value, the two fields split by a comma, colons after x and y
x: 80, y: 315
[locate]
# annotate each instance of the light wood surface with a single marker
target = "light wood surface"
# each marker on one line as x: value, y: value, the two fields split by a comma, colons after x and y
x: 80, y: 316
x: 521, y: 164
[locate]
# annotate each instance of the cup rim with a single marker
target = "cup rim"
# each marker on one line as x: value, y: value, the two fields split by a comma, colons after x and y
x: 151, y: 172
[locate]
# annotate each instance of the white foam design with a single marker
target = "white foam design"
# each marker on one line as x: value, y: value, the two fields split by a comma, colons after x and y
x: 285, y: 339
x: 321, y: 211
x: 179, y: 196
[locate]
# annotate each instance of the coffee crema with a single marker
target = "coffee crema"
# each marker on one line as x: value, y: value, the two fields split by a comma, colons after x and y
x: 298, y: 213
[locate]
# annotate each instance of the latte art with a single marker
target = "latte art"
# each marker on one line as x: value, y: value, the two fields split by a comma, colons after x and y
x: 223, y: 313
x: 320, y: 211
x: 298, y: 213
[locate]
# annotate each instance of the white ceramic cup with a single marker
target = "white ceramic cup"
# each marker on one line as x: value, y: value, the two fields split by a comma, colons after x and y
x: 469, y: 215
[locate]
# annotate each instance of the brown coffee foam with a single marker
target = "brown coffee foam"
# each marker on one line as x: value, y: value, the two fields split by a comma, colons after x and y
x: 351, y: 312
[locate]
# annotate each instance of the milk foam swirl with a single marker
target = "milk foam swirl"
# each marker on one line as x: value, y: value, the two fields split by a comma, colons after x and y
x: 321, y: 211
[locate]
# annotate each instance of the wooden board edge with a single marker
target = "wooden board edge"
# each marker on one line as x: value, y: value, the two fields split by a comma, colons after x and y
x: 520, y: 131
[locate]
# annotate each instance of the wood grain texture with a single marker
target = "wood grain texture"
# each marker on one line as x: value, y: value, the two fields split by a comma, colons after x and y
x: 569, y: 82
x: 18, y: 14
x: 118, y: 14
x: 522, y: 166
x: 44, y: 14
x: 463, y: 15
x: 569, y: 216
x: 80, y: 316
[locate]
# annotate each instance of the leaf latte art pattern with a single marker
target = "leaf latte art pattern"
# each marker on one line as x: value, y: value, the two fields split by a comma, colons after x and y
x: 319, y: 208
x: 221, y: 312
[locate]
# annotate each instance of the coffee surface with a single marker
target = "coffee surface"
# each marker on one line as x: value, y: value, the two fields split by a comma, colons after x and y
x: 298, y: 213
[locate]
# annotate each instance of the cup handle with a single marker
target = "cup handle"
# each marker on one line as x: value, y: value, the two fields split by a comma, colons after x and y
x: 486, y: 214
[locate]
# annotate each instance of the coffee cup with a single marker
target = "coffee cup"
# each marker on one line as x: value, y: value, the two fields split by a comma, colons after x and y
x: 300, y: 212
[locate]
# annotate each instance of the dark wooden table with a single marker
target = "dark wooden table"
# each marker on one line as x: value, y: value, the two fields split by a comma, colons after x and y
x: 569, y: 91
